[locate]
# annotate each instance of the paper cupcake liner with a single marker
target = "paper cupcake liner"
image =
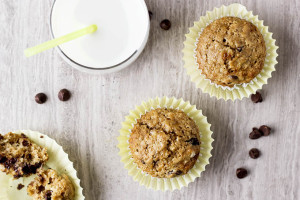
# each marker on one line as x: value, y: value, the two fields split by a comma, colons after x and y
x: 241, y: 90
x: 58, y: 160
x: 165, y: 183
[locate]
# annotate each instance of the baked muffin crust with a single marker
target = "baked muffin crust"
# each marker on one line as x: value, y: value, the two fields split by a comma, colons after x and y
x: 165, y: 143
x: 50, y: 186
x: 19, y: 156
x: 231, y: 51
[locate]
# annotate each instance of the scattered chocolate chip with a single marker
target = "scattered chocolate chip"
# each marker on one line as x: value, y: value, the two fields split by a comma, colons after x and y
x: 265, y: 130
x: 239, y: 49
x: 234, y: 77
x: 150, y: 14
x: 224, y: 40
x: 241, y: 173
x: 50, y: 180
x: 1, y: 137
x: 25, y: 143
x: 143, y: 162
x: 165, y: 24
x: 193, y: 141
x: 254, y: 153
x: 23, y: 135
x: 40, y: 98
x: 256, y: 98
x: 41, y: 136
x: 178, y: 172
x: 3, y: 159
x: 255, y: 134
x: 64, y: 95
x: 20, y: 186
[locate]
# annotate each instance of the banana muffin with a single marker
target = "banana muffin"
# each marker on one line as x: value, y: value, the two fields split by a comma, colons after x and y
x: 19, y: 156
x: 165, y: 143
x: 48, y: 185
x: 231, y: 51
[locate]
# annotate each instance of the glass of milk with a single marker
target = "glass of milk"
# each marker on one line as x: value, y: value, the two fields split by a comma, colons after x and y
x: 123, y: 29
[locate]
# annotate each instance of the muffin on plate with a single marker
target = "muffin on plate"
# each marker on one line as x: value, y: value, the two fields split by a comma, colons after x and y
x: 51, y: 186
x: 165, y: 143
x: 231, y: 51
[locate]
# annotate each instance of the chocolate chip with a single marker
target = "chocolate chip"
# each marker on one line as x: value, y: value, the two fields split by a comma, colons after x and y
x: 224, y: 40
x: 1, y: 137
x: 255, y: 134
x: 41, y: 188
x: 193, y: 141
x: 143, y: 162
x: 178, y: 172
x: 150, y: 14
x: 239, y: 49
x: 20, y: 186
x: 241, y: 173
x: 234, y: 77
x: 3, y: 159
x: 256, y: 98
x: 40, y: 98
x: 9, y: 163
x: 23, y: 135
x: 64, y: 95
x: 48, y: 195
x: 165, y: 24
x: 254, y: 153
x: 41, y: 136
x: 265, y: 130
x: 25, y: 143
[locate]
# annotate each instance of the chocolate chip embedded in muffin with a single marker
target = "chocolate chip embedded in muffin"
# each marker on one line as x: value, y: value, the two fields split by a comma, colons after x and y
x: 231, y: 51
x: 165, y: 143
x: 265, y: 130
x: 49, y: 185
x: 19, y: 156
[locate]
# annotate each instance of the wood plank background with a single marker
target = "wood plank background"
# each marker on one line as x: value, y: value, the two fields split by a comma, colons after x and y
x: 87, y: 125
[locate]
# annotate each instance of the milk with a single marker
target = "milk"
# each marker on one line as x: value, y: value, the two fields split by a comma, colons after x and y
x: 121, y: 29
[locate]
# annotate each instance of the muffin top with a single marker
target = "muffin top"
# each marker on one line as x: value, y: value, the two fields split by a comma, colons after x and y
x: 51, y: 186
x: 231, y: 51
x: 19, y: 156
x: 165, y: 143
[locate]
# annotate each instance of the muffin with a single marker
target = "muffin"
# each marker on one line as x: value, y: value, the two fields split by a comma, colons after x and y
x: 165, y: 143
x: 51, y: 186
x: 231, y: 51
x: 19, y: 156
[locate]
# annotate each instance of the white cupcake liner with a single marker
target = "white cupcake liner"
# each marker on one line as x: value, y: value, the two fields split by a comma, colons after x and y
x: 239, y: 91
x: 165, y: 183
x: 58, y: 160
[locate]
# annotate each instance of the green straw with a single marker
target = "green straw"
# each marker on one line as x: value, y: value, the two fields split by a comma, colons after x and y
x: 58, y: 41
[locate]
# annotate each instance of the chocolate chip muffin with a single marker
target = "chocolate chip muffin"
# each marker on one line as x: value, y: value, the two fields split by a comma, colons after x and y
x: 231, y: 51
x: 19, y: 156
x: 165, y: 143
x: 51, y: 186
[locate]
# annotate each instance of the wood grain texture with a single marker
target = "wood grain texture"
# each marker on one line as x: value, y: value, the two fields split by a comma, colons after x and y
x: 87, y: 125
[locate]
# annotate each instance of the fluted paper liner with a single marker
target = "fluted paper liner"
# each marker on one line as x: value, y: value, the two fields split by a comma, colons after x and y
x: 165, y: 183
x: 240, y: 90
x: 58, y: 160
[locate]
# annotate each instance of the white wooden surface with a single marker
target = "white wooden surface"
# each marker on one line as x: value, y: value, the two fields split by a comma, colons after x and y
x: 88, y: 124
